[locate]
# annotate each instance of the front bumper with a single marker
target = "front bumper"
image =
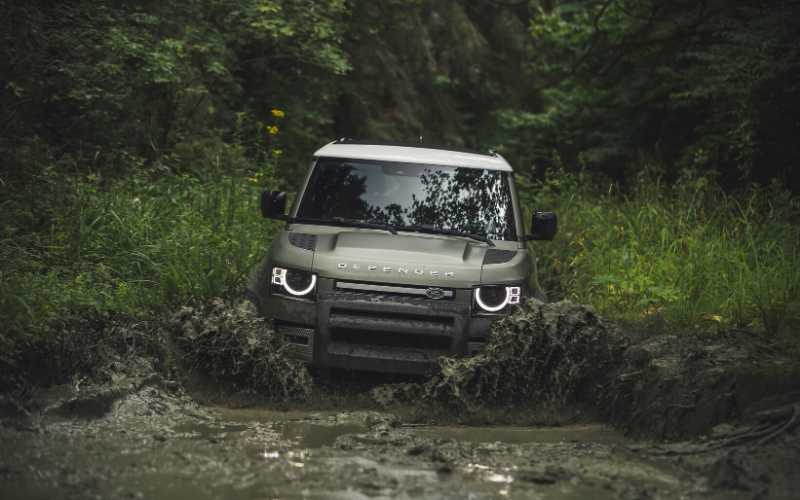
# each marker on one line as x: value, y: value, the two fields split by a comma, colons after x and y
x: 388, y: 334
x: 361, y: 331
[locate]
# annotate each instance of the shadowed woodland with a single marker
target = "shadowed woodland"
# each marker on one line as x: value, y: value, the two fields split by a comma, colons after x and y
x: 136, y: 136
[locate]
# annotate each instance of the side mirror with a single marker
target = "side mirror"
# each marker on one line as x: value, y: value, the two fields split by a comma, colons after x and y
x: 273, y: 205
x: 543, y: 226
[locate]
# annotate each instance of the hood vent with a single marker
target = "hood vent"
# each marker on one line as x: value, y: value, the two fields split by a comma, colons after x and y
x: 494, y: 256
x: 303, y: 240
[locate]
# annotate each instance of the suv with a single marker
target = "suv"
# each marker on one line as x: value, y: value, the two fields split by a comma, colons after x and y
x: 395, y: 254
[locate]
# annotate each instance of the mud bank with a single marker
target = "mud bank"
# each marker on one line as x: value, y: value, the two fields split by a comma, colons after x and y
x: 678, y: 387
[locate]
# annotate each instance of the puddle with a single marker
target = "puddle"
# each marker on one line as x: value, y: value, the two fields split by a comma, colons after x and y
x: 315, y: 435
x: 515, y: 435
x: 255, y: 454
x: 206, y: 431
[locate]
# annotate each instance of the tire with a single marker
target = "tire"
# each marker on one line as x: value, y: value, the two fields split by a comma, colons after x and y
x: 254, y: 299
x: 539, y: 295
x: 252, y: 286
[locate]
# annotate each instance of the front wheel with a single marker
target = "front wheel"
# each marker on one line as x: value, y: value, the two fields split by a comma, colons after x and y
x: 538, y: 294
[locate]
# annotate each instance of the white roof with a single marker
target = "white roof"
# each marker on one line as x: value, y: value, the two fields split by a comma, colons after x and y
x: 414, y: 155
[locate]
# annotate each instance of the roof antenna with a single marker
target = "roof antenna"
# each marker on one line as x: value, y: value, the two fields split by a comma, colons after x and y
x: 420, y: 141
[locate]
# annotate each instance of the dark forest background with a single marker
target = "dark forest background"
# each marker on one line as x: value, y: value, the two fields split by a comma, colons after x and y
x: 711, y: 85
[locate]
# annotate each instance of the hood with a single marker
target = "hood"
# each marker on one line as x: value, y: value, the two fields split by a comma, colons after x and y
x: 414, y: 259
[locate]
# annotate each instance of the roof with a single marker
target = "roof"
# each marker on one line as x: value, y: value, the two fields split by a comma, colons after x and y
x: 412, y: 152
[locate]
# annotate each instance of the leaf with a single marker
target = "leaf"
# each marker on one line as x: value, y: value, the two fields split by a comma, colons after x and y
x: 711, y: 317
x: 607, y: 278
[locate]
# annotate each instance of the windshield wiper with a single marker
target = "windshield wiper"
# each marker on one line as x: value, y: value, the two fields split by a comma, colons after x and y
x: 449, y: 232
x: 361, y: 223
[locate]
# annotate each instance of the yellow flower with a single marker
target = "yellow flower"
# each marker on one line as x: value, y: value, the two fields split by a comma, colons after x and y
x: 241, y: 147
x: 254, y: 180
x: 273, y: 130
x: 277, y: 113
x: 277, y: 151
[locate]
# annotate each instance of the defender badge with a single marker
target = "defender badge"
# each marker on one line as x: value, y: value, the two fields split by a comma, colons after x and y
x: 434, y: 293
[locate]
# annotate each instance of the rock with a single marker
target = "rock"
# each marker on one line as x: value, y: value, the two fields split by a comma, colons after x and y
x: 538, y: 478
x: 418, y: 450
x: 722, y: 429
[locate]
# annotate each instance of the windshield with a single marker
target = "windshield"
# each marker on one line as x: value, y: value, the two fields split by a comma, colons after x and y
x: 463, y: 199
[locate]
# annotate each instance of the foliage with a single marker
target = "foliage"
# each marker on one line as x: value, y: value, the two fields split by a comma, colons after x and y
x: 75, y: 246
x: 690, y: 252
x: 708, y: 82
x: 98, y: 80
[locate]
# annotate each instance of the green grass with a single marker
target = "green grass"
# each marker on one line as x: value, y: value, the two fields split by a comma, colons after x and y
x: 688, y: 251
x: 78, y: 246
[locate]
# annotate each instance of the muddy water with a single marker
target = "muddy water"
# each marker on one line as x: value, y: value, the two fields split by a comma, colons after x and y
x: 587, y: 433
x: 158, y: 444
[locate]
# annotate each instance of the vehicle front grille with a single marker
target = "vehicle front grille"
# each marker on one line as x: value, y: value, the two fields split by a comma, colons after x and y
x: 392, y: 290
x: 383, y: 338
x: 299, y: 341
x: 394, y: 325
x: 474, y: 348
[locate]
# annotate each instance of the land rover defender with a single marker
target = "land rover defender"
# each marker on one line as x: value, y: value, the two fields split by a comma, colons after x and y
x: 395, y: 254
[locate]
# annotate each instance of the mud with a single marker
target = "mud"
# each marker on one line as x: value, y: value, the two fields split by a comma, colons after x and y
x: 154, y: 442
x: 547, y: 355
x: 649, y: 414
x: 234, y: 344
x: 677, y: 387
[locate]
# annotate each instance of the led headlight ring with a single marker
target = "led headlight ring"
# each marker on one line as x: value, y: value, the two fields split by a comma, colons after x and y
x: 512, y: 297
x: 279, y: 278
x: 490, y: 308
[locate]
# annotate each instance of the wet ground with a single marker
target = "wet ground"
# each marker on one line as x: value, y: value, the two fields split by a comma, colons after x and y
x: 703, y: 416
x: 145, y: 439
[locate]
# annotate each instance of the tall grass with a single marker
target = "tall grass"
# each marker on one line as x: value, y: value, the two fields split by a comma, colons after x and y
x: 78, y: 246
x: 688, y: 251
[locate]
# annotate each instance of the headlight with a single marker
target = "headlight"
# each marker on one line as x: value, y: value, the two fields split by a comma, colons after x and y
x: 293, y: 282
x: 495, y: 298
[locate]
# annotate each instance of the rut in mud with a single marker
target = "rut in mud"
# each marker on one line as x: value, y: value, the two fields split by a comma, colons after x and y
x: 541, y: 355
x: 650, y: 383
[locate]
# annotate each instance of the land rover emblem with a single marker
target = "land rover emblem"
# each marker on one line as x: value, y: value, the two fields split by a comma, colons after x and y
x: 434, y: 293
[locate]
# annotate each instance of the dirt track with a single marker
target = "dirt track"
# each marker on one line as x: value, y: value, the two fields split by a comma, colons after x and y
x: 689, y: 407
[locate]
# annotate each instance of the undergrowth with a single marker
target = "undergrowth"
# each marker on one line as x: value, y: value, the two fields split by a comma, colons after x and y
x: 78, y: 243
x: 688, y: 251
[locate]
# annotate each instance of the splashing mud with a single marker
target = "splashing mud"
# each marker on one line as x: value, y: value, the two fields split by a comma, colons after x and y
x: 235, y: 345
x: 549, y: 354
